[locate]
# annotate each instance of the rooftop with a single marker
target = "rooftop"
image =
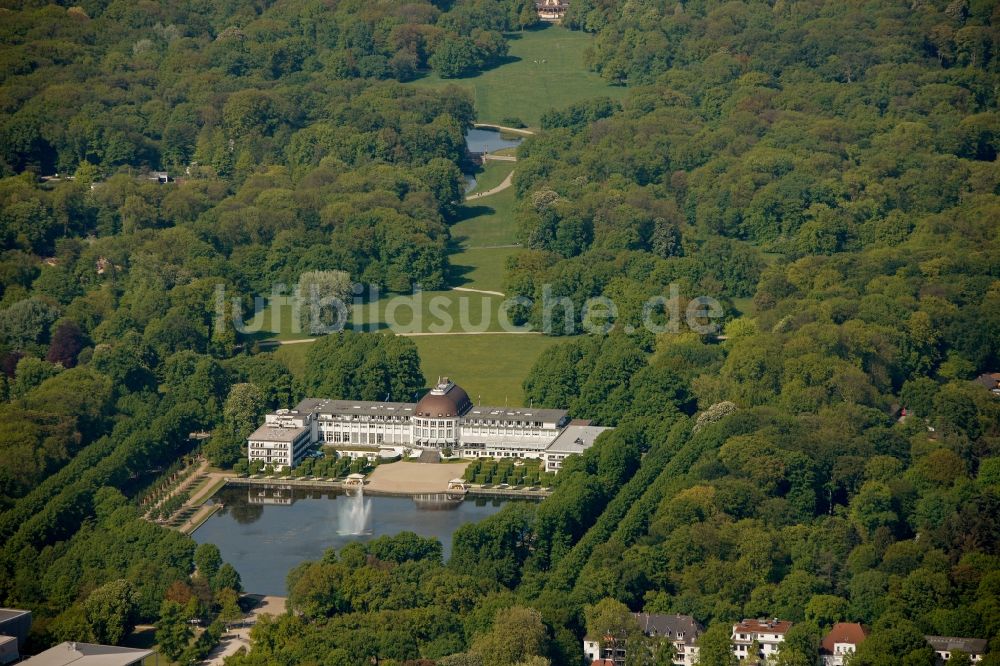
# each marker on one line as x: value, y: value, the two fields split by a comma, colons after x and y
x: 88, y: 654
x: 671, y: 626
x: 952, y: 643
x: 271, y: 433
x: 11, y: 613
x: 575, y: 439
x: 762, y: 626
x: 446, y: 400
x: 843, y: 632
x: 990, y: 380
x: 345, y: 407
x: 516, y: 414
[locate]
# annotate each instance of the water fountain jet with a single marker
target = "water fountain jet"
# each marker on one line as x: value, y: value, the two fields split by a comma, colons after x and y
x: 355, y: 514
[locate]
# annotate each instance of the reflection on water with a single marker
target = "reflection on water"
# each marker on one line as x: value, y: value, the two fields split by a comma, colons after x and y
x: 266, y: 531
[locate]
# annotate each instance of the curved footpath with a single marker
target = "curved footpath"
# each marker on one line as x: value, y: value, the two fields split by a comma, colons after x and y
x: 402, y: 334
x: 479, y: 291
x: 507, y: 182
x: 504, y: 128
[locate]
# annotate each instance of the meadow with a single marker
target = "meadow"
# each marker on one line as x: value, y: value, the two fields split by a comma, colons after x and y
x: 492, y: 174
x: 490, y: 367
x: 544, y: 70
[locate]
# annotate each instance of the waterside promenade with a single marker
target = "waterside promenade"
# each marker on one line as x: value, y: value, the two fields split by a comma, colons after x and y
x: 399, y: 479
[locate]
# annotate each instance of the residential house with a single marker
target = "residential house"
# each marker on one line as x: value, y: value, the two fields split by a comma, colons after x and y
x: 681, y: 630
x: 990, y: 381
x: 945, y: 645
x: 840, y: 642
x: 766, y: 634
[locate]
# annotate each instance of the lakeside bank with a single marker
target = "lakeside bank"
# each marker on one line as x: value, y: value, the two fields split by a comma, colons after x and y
x: 485, y: 490
x: 400, y: 479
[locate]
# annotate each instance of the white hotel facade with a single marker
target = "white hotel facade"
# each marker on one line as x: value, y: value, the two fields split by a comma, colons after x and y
x: 444, y: 418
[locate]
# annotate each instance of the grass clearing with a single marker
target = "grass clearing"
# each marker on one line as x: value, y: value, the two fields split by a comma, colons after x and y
x: 491, y: 367
x: 294, y: 358
x: 481, y: 268
x: 492, y: 174
x: 744, y: 305
x: 545, y: 70
x: 428, y: 311
x: 486, y: 223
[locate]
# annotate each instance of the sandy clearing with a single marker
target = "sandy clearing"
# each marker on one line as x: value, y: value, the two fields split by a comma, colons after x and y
x: 413, y: 477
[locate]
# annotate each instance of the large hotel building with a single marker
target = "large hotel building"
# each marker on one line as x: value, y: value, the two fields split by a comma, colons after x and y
x: 444, y: 418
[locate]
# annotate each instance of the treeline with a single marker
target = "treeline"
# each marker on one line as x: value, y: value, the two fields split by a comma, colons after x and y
x: 745, y: 149
x: 840, y: 43
x: 210, y: 84
x: 75, y: 548
x: 368, y: 196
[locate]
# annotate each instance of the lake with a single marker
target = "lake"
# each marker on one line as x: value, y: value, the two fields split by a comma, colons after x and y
x: 488, y: 141
x: 265, y: 533
x: 484, y: 141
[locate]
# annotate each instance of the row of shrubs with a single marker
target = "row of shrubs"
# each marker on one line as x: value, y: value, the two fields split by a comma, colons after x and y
x: 527, y: 473
x: 173, y: 476
x: 171, y: 506
x: 329, y: 466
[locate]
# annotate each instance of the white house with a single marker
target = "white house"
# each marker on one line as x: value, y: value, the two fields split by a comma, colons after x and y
x: 841, y: 642
x: 445, y: 418
x: 283, y: 440
x: 681, y: 630
x: 767, y: 634
x: 576, y: 438
x: 945, y: 645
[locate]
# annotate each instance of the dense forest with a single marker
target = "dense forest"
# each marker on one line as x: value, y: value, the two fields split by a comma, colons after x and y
x: 827, y: 170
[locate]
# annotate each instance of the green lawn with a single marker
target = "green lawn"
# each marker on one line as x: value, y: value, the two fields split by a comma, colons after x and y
x: 546, y: 71
x: 294, y: 358
x: 489, y: 367
x: 491, y: 175
x: 744, y: 305
x: 429, y: 311
x: 480, y: 268
x: 487, y: 222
